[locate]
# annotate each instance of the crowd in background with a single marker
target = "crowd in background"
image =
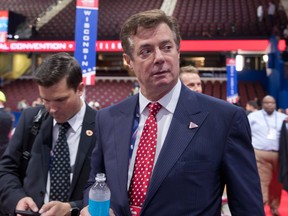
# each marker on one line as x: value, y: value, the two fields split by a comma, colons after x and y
x: 263, y: 122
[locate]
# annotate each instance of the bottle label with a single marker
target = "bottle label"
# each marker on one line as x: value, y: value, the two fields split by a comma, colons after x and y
x: 99, y: 208
x: 135, y: 210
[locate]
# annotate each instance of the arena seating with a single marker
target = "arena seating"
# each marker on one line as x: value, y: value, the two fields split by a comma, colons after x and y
x: 108, y: 92
x: 197, y: 18
x: 204, y: 18
x: 208, y: 87
x: 18, y: 90
x: 250, y: 91
x: 224, y: 90
x: 243, y: 92
x: 61, y: 26
x: 29, y: 8
x: 111, y: 15
x: 105, y: 92
x: 216, y: 89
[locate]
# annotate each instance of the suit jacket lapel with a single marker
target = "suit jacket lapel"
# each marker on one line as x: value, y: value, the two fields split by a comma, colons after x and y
x: 84, y: 143
x: 178, y: 137
x: 44, y: 138
x: 123, y: 122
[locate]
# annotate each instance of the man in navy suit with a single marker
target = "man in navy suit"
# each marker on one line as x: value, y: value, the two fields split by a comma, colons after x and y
x: 59, y: 80
x: 6, y: 123
x: 203, y: 143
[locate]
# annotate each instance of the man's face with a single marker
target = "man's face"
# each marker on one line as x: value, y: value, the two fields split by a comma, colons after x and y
x: 155, y: 60
x: 268, y: 104
x: 61, y: 102
x: 249, y: 107
x: 192, y: 81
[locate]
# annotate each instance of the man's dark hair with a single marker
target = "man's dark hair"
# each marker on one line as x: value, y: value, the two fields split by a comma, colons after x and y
x: 146, y: 19
x: 56, y: 67
x: 253, y: 104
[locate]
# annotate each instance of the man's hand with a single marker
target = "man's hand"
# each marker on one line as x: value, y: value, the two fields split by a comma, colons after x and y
x: 27, y: 203
x: 55, y: 208
x: 84, y: 212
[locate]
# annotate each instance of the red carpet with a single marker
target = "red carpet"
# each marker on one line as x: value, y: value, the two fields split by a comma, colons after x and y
x: 283, y: 210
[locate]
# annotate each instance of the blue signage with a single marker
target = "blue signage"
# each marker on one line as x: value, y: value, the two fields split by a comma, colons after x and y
x: 85, y: 38
x: 232, y: 82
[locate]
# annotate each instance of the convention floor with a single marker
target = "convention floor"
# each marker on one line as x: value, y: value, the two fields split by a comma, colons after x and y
x: 283, y: 210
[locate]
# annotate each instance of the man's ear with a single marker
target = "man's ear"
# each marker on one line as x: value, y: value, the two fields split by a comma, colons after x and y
x: 127, y: 59
x: 81, y: 87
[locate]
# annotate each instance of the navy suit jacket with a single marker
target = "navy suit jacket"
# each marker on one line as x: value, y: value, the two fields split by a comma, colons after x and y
x: 34, y: 183
x: 193, y: 165
x: 6, y: 122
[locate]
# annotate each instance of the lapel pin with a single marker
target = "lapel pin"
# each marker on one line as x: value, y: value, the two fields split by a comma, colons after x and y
x: 192, y: 125
x: 89, y: 132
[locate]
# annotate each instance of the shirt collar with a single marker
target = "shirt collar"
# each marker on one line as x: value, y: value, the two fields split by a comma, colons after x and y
x: 168, y: 101
x: 76, y: 121
x: 266, y: 114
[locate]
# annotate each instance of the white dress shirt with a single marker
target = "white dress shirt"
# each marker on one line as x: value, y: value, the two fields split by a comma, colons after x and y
x: 73, y: 138
x: 163, y: 117
x: 266, y: 129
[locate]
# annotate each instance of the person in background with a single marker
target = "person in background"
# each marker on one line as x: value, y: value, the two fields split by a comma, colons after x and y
x: 260, y: 12
x: 285, y: 36
x: 68, y: 123
x: 281, y: 110
x: 198, y: 143
x: 6, y: 124
x: 22, y: 105
x: 251, y: 106
x: 271, y: 12
x: 135, y: 89
x: 189, y: 75
x: 97, y: 105
x: 94, y: 104
x: 265, y: 127
x: 283, y: 155
x: 37, y: 102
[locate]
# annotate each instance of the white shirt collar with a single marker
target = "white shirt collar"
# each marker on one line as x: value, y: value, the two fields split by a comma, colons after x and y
x: 168, y: 101
x: 266, y: 114
x: 76, y: 121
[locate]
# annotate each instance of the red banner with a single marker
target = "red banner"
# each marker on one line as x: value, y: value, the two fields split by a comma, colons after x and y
x: 115, y: 46
x: 3, y: 25
x: 87, y: 3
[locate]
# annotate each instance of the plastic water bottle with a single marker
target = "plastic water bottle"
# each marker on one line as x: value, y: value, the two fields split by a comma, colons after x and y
x: 99, y: 197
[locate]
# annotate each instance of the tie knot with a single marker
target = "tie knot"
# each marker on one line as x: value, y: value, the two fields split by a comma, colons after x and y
x: 64, y: 127
x: 154, y: 108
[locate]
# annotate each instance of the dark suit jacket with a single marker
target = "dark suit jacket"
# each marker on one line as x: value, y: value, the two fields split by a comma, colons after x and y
x: 193, y: 165
x: 283, y: 156
x: 11, y: 190
x: 6, y: 122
